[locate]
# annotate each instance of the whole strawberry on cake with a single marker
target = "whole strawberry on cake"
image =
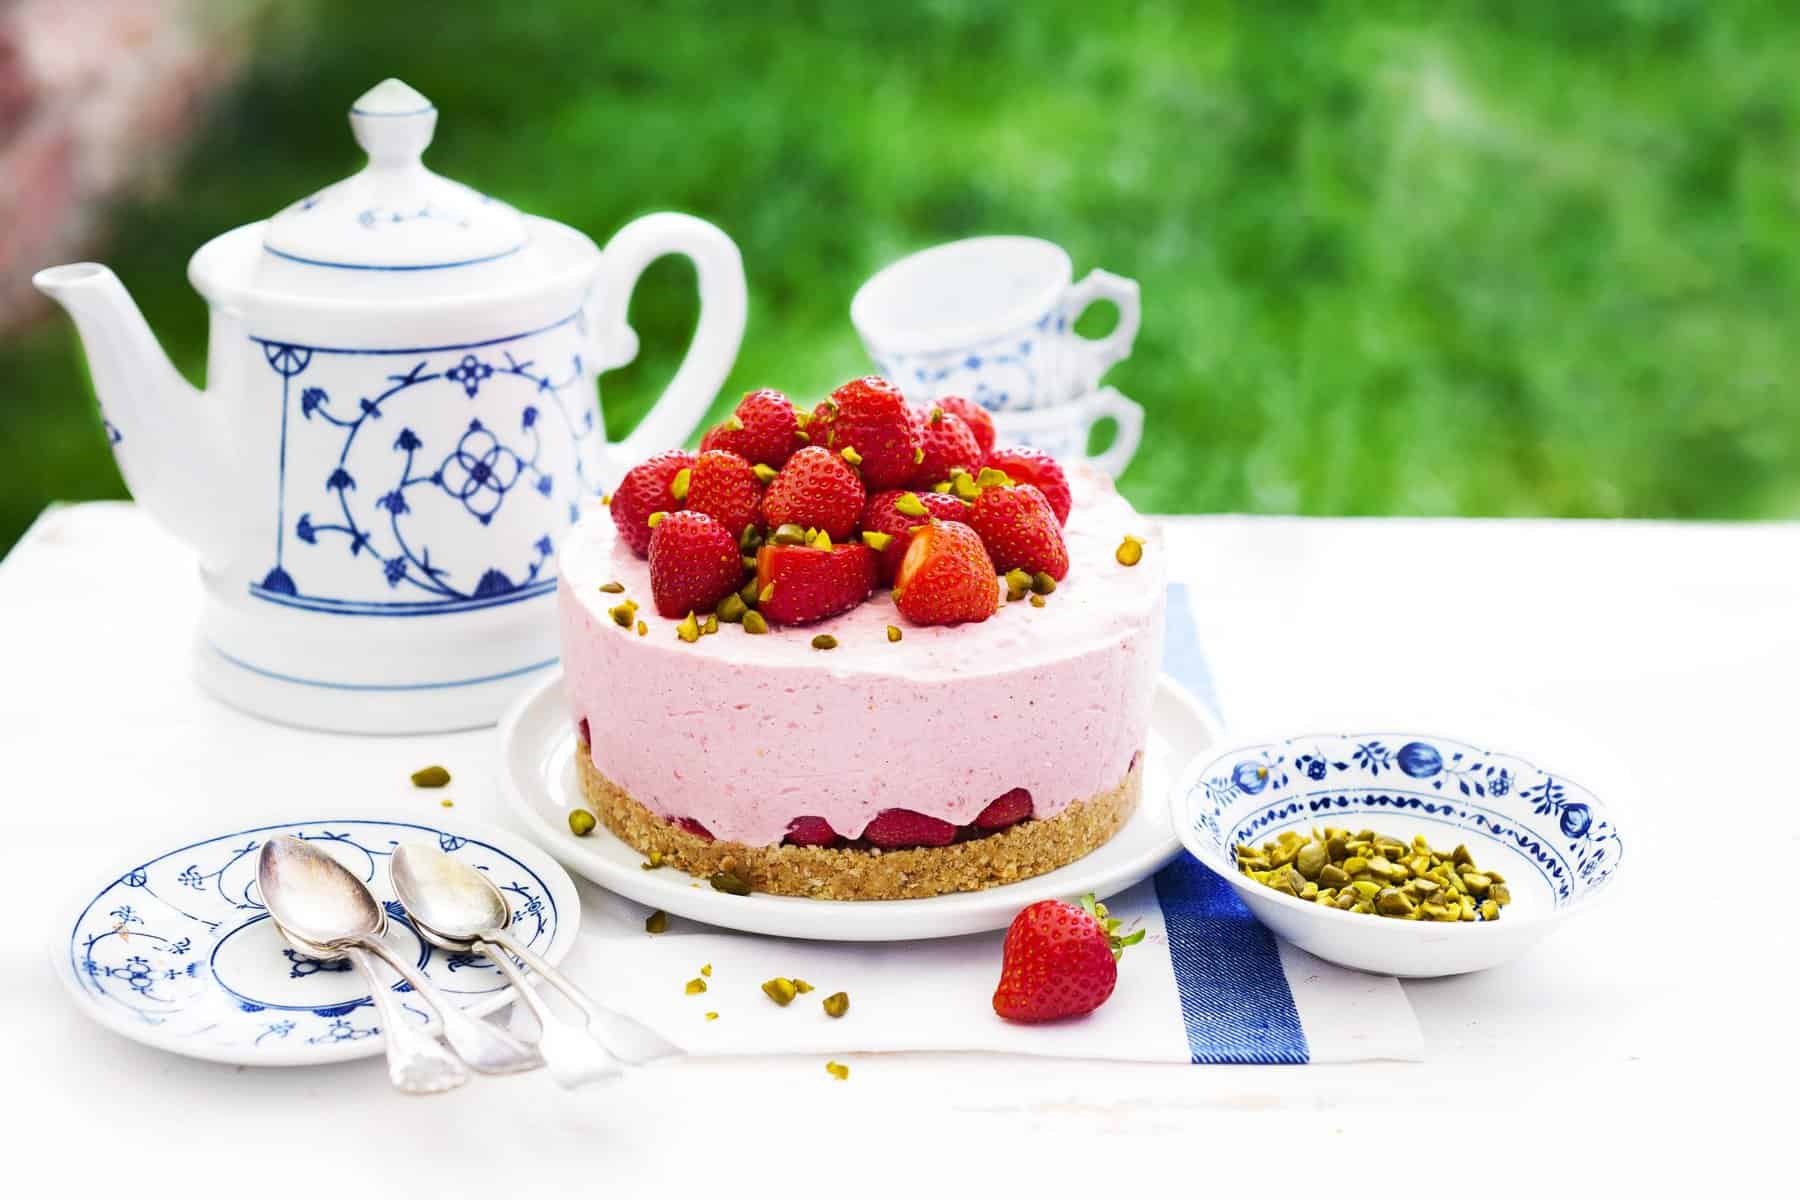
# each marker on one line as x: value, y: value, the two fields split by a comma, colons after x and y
x: 861, y: 652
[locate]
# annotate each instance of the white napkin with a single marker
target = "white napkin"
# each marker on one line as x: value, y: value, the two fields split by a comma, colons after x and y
x: 1207, y: 984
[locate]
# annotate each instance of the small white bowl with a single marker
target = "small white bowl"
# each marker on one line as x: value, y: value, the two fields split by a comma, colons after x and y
x: 1556, y: 843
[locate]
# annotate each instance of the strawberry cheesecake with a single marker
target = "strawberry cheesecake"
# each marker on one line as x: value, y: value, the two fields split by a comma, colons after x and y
x: 861, y: 653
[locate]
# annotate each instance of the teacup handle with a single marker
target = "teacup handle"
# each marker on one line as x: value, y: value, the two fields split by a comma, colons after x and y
x: 1101, y: 353
x: 1129, y: 414
x: 724, y: 305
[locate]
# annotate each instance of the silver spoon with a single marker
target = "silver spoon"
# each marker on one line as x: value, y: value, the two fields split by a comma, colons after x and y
x: 314, y: 898
x: 457, y: 907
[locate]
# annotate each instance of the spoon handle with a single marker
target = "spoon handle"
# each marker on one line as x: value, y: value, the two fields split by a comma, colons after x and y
x: 485, y: 1047
x: 631, y: 1042
x: 574, y: 1058
x: 417, y: 1063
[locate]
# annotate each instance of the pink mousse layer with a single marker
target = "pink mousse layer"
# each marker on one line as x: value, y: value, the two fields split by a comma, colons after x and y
x: 745, y: 733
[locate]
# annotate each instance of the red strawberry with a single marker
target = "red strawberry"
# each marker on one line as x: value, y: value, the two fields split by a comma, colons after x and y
x: 946, y: 577
x: 816, y: 490
x: 948, y: 443
x: 1040, y: 471
x: 723, y: 486
x: 870, y: 417
x: 1059, y: 960
x: 812, y: 584
x: 883, y: 515
x: 810, y: 831
x: 899, y: 828
x: 763, y: 429
x: 694, y: 564
x: 1009, y: 809
x: 976, y: 418
x: 645, y: 490
x: 1019, y: 530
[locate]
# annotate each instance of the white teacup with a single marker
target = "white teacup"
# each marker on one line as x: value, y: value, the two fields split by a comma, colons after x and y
x: 1062, y: 432
x: 992, y: 319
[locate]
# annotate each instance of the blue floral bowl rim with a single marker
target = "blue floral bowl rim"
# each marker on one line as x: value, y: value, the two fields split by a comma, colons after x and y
x: 1210, y: 856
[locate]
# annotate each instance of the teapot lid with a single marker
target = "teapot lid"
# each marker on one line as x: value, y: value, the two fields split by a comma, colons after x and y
x: 394, y: 215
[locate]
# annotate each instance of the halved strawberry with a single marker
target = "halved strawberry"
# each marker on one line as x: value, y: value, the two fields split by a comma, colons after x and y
x: 977, y: 419
x: 899, y: 828
x: 1019, y: 530
x: 722, y: 485
x: 946, y: 577
x: 816, y: 490
x: 645, y: 490
x: 947, y: 443
x: 764, y: 428
x: 694, y: 564
x: 810, y: 831
x: 1041, y: 472
x: 882, y: 515
x: 1011, y: 808
x: 870, y: 418
x: 811, y: 584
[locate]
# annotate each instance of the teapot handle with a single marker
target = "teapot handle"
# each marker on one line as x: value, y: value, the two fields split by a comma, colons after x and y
x: 724, y: 305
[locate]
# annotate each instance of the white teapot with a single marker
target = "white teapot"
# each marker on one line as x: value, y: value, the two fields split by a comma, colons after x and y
x: 399, y: 425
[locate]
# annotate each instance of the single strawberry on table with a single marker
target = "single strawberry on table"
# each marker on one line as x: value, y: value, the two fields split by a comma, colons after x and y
x: 947, y: 443
x: 977, y: 419
x: 810, y: 584
x: 886, y: 513
x: 647, y: 488
x: 870, y: 418
x: 764, y: 428
x: 1019, y: 530
x: 1059, y: 960
x: 694, y: 564
x: 1041, y: 472
x: 722, y: 485
x: 946, y: 577
x: 816, y: 490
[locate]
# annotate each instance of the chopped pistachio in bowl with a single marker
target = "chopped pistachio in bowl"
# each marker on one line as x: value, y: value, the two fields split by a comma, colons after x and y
x: 1555, y: 843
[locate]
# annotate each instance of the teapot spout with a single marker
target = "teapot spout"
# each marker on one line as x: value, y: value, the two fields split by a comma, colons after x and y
x: 153, y: 417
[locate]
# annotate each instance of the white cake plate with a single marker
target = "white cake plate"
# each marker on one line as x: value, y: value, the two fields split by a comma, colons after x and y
x: 538, y: 766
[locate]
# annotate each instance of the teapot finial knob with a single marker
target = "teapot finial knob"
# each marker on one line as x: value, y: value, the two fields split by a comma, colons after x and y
x: 393, y: 123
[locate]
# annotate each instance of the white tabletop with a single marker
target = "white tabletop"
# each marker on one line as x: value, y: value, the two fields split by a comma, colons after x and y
x: 1659, y: 658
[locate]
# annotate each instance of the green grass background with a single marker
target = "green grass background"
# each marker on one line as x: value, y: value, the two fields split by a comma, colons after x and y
x: 1446, y: 257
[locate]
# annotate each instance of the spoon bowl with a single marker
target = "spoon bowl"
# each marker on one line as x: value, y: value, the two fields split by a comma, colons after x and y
x: 317, y: 900
x: 451, y: 903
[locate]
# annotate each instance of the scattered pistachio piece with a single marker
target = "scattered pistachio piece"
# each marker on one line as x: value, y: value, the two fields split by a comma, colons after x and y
x: 731, y: 609
x: 653, y: 862
x: 712, y: 1016
x: 1042, y: 583
x: 765, y: 473
x: 678, y: 486
x: 803, y: 435
x: 851, y: 456
x: 918, y: 455
x: 1018, y: 580
x: 909, y: 504
x: 788, y: 535
x: 712, y: 623
x: 992, y: 477
x: 729, y: 883
x: 964, y: 487
x: 606, y: 499
x: 732, y: 423
x: 893, y: 633
x: 642, y: 629
x: 615, y: 587
x: 655, y: 519
x: 430, y: 777
x: 750, y: 539
x: 749, y: 561
x: 876, y: 540
x: 696, y: 986
x: 1037, y: 601
x: 837, y: 1004
x: 447, y: 802
x: 820, y: 540
x: 623, y: 614
x: 801, y: 986
x: 837, y: 1070
x: 1130, y: 551
x: 706, y: 970
x: 656, y: 922
x: 754, y: 622
x: 581, y: 822
x: 942, y: 487
x: 781, y: 991
x: 748, y: 593
x: 768, y: 590
x: 689, y: 629
x: 824, y: 641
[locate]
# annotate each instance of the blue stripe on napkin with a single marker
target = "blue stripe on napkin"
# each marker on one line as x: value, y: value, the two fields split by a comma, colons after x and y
x: 1235, y: 1000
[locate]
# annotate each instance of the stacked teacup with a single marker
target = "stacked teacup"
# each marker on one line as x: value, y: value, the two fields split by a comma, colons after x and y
x: 992, y: 319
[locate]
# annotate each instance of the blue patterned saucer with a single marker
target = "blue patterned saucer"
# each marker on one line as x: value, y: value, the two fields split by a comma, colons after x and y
x: 177, y: 952
x: 1557, y: 842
